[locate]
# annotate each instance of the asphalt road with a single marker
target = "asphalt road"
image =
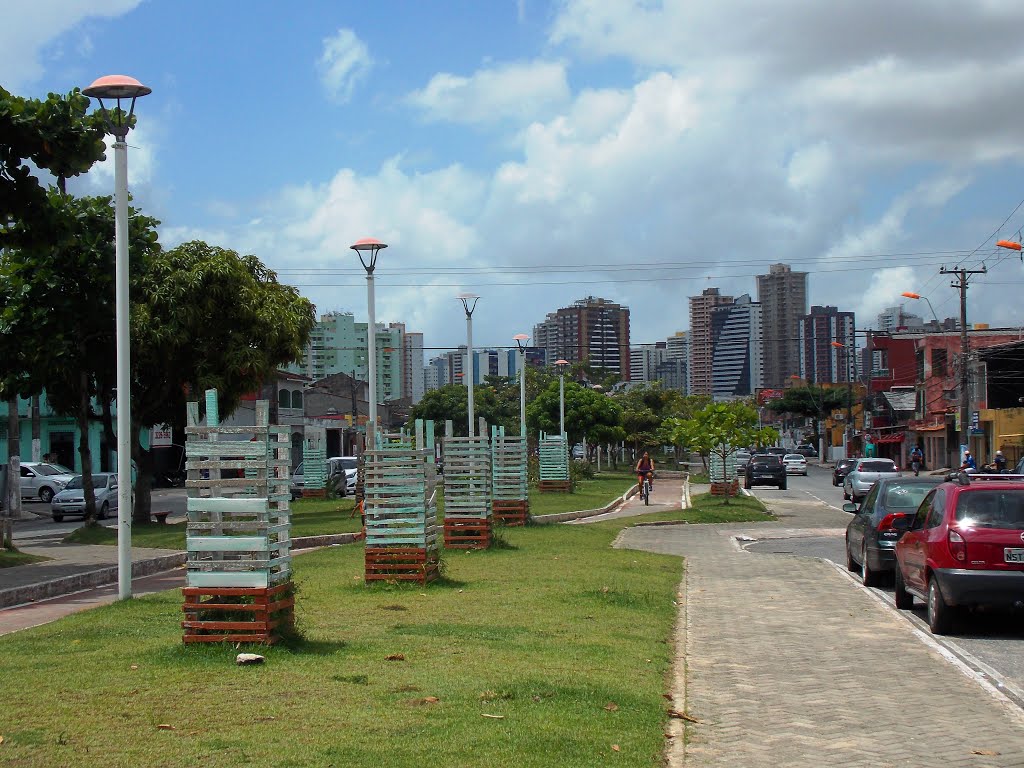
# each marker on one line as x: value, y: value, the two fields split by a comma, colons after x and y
x: 991, y: 642
x: 38, y: 523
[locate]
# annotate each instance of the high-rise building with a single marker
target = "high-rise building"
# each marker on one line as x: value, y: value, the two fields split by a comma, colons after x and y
x: 594, y: 330
x: 782, y: 294
x: 820, y: 362
x: 893, y: 319
x: 644, y: 361
x: 412, y: 363
x: 736, y: 367
x: 699, y: 372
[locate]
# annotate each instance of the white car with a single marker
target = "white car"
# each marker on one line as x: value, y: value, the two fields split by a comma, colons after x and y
x: 796, y: 464
x: 43, y: 480
x: 71, y: 500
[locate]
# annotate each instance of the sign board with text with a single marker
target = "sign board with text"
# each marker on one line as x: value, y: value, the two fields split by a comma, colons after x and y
x: 160, y: 438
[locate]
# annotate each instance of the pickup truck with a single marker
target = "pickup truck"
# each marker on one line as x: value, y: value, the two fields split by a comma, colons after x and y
x: 863, y: 475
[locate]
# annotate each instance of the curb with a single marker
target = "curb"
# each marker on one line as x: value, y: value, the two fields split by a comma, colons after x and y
x: 101, y: 577
x: 564, y: 517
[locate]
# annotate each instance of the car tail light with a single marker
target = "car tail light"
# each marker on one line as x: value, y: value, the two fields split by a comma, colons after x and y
x: 957, y: 546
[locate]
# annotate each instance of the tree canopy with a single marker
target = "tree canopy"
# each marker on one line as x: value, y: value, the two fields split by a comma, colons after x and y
x: 589, y: 415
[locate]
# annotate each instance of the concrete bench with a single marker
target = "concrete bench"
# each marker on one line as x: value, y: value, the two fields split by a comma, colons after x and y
x: 160, y: 518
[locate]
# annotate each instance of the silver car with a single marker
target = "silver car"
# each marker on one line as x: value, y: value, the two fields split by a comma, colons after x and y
x: 43, y: 480
x: 864, y: 474
x: 71, y: 500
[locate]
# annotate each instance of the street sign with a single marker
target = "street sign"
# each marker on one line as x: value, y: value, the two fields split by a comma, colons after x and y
x: 160, y: 438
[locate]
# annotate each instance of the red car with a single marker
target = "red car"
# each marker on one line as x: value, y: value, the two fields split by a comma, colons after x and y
x: 964, y: 548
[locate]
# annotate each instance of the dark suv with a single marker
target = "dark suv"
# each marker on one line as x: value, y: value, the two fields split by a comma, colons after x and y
x: 765, y: 469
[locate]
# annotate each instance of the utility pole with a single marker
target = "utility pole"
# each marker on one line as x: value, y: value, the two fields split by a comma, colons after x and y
x: 355, y: 410
x: 963, y: 277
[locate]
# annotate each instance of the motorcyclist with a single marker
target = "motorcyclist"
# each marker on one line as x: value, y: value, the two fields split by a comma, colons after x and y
x: 969, y: 464
x: 1000, y: 462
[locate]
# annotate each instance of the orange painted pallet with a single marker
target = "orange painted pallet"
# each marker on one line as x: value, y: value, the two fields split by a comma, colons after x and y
x: 467, y: 533
x: 401, y: 564
x: 217, y: 614
x: 511, y: 512
x: 555, y: 486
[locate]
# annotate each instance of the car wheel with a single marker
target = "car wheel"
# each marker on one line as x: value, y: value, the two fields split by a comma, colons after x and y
x: 868, y: 577
x: 746, y: 485
x: 783, y: 485
x: 846, y: 496
x: 58, y: 518
x: 45, y: 495
x: 835, y: 483
x: 851, y: 564
x: 904, y: 600
x: 940, y: 615
x: 104, y: 511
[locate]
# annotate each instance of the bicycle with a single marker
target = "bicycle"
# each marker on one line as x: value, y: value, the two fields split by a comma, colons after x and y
x: 645, y: 491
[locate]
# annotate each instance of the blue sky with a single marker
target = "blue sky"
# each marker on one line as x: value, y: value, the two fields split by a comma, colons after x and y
x: 537, y: 152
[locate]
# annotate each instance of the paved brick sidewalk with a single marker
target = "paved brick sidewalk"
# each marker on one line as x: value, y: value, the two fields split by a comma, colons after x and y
x: 790, y: 664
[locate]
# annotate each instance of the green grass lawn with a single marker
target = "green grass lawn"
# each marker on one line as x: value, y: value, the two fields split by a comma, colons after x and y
x: 712, y: 509
x: 561, y: 640
x: 9, y: 558
x: 310, y: 517
x: 587, y: 494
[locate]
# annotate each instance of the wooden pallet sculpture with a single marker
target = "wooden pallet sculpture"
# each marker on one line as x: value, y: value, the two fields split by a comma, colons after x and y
x: 401, y: 510
x: 509, y: 491
x: 314, y: 463
x: 238, y: 534
x: 467, y: 491
x: 554, y: 464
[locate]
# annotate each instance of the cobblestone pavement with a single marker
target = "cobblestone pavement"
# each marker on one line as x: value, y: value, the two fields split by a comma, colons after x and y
x: 790, y: 664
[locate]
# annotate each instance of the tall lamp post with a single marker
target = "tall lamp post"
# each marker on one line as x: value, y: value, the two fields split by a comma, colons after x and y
x: 367, y: 250
x: 562, y: 365
x: 848, y: 429
x: 918, y: 296
x: 520, y: 340
x: 469, y: 301
x: 118, y: 124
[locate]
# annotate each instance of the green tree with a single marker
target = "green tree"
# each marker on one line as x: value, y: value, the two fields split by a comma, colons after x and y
x: 205, y: 317
x: 720, y: 428
x: 443, y: 404
x: 589, y: 415
x: 812, y: 402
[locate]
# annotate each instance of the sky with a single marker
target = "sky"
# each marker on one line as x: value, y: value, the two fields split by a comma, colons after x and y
x: 536, y: 153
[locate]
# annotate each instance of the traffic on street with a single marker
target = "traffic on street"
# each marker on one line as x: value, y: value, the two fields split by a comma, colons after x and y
x: 988, y: 640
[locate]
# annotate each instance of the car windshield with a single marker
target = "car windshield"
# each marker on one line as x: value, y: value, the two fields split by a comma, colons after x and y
x: 299, y: 470
x: 98, y: 481
x: 350, y: 463
x: 991, y: 509
x: 794, y: 457
x: 62, y: 470
x: 768, y: 459
x: 877, y: 466
x: 844, y: 463
x: 45, y: 469
x: 898, y: 496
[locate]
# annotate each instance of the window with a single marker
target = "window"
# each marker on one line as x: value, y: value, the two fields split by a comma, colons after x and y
x: 922, y: 511
x: 284, y: 399
x: 991, y: 509
x: 939, y: 360
x: 936, y: 509
x: 297, y: 399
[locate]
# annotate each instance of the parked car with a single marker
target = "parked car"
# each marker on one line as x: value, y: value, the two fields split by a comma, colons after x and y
x: 880, y: 521
x: 865, y: 472
x: 71, y: 500
x: 765, y: 469
x: 841, y: 470
x: 965, y: 547
x: 336, y: 467
x: 795, y: 463
x: 42, y: 481
x: 807, y: 450
x: 777, y: 451
x: 742, y: 459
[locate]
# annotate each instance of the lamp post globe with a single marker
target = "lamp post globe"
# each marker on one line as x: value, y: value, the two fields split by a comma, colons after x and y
x: 367, y: 250
x: 117, y: 88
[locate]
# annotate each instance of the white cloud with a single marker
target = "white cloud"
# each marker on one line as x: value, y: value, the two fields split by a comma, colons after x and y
x: 344, y: 62
x: 521, y: 91
x: 30, y: 27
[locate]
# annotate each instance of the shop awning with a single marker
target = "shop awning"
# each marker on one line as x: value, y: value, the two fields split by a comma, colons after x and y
x: 934, y: 428
x: 894, y: 438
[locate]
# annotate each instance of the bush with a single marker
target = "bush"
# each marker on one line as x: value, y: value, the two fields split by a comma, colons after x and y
x: 581, y: 470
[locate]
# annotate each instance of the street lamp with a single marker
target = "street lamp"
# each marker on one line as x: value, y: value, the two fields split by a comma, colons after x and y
x: 371, y: 248
x: 561, y: 393
x: 520, y: 340
x: 469, y: 301
x: 118, y: 124
x: 848, y: 429
x: 912, y: 295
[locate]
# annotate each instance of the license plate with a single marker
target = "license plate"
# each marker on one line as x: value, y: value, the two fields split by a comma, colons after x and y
x: 1011, y: 555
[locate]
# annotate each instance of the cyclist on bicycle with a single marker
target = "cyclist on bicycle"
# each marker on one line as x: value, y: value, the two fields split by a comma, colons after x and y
x: 916, y: 460
x: 644, y: 471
